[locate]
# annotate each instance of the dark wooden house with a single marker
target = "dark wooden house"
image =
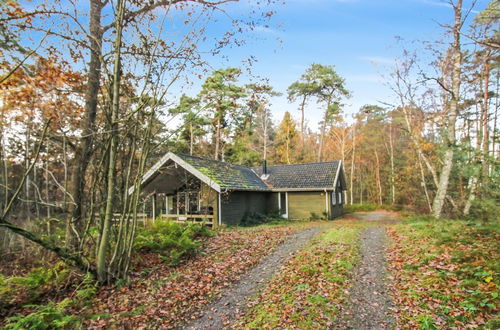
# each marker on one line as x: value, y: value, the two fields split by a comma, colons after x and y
x: 185, y: 187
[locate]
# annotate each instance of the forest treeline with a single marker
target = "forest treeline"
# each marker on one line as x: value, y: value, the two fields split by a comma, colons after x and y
x: 80, y: 126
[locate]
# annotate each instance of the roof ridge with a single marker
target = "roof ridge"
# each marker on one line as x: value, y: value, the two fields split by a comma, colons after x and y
x: 311, y: 163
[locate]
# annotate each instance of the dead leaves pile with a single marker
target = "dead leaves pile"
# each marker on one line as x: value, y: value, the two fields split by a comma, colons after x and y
x: 310, y: 287
x: 166, y: 297
x: 445, y: 275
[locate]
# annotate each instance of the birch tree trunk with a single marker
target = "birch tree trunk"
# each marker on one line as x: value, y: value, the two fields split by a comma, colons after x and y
x: 451, y: 115
x: 482, y: 149
x: 391, y: 155
x: 423, y: 183
x: 485, y: 119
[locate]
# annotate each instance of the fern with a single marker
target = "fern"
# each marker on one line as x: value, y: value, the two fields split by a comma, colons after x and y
x: 172, y: 241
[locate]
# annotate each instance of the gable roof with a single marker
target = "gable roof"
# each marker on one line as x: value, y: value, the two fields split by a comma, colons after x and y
x: 227, y: 176
x: 224, y: 176
x: 301, y: 176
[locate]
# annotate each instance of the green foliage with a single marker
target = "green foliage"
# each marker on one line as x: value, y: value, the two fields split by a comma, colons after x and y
x: 435, y: 253
x: 50, y: 316
x: 485, y: 206
x: 367, y: 207
x: 38, y: 282
x: 172, y: 241
x: 255, y: 218
x: 305, y: 295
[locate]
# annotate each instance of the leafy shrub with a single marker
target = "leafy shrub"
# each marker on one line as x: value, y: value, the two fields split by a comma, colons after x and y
x: 50, y: 316
x: 485, y: 209
x: 255, y: 218
x: 172, y: 241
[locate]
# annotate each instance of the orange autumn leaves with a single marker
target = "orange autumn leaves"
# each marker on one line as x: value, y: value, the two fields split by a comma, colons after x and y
x: 48, y: 89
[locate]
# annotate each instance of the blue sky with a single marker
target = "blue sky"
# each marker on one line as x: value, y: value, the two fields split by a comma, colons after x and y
x: 358, y: 37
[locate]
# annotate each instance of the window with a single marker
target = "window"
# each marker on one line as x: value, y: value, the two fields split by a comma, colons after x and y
x: 334, y: 198
x: 340, y: 197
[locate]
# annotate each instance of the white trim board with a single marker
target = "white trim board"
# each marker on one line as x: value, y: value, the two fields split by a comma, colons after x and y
x: 178, y: 161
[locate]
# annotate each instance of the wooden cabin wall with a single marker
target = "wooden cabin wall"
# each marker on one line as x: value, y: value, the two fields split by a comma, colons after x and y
x: 307, y: 205
x: 235, y: 205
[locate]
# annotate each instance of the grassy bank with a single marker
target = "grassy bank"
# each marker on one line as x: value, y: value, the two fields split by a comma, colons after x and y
x: 446, y: 273
x: 368, y: 207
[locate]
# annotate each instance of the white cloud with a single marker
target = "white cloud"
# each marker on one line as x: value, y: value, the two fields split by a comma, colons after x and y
x: 378, y: 59
x: 437, y: 3
x: 265, y: 29
x: 370, y: 78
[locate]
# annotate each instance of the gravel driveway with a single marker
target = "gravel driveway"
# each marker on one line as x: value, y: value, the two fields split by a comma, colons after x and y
x: 223, y: 311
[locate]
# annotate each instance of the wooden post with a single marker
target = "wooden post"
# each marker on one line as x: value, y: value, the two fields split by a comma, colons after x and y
x: 326, y: 204
x: 154, y: 207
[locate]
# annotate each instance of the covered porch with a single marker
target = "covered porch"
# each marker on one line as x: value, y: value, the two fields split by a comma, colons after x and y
x: 176, y: 194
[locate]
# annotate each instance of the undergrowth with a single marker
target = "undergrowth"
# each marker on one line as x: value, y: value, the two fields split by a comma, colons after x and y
x: 58, y: 282
x: 446, y: 272
x: 255, y: 219
x: 368, y: 207
x: 172, y: 241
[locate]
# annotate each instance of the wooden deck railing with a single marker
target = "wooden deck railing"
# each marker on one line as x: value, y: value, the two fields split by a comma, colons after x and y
x: 143, y: 219
x: 206, y: 218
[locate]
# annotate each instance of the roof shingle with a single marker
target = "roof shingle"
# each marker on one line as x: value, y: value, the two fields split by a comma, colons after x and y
x: 228, y: 176
x: 301, y: 176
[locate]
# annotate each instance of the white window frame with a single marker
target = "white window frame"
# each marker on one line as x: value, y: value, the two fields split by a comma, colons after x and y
x: 285, y: 214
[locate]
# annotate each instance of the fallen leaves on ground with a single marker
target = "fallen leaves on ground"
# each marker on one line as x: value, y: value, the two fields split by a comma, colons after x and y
x: 445, y: 274
x: 310, y: 287
x: 163, y: 296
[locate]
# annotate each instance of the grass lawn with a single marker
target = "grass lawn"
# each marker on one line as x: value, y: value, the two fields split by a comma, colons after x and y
x: 446, y: 273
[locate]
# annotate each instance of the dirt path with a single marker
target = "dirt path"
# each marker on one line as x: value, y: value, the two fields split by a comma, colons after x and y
x: 224, y: 310
x: 370, y: 304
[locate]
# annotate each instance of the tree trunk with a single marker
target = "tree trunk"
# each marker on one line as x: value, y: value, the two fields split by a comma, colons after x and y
x: 104, y: 242
x: 352, y: 161
x: 302, y: 119
x: 191, y: 139
x: 482, y: 146
x: 379, y: 184
x: 47, y: 195
x: 288, y: 145
x: 452, y: 113
x: 217, y: 139
x: 83, y: 150
x: 424, y: 183
x: 322, y: 137
x: 265, y: 124
x: 485, y: 118
x: 391, y: 155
